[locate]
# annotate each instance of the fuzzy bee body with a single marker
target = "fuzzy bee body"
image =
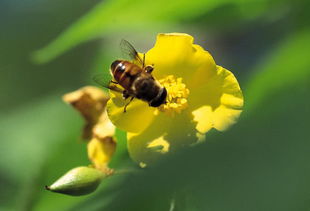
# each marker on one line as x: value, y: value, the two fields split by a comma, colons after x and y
x: 134, y: 78
x: 138, y: 82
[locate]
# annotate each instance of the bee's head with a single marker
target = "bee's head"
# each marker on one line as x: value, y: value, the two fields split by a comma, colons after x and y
x: 160, y: 98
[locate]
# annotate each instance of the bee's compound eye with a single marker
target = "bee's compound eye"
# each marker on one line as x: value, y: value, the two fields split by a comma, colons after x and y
x: 114, y: 64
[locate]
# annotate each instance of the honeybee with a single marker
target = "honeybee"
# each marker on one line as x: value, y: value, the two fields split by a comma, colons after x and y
x: 135, y: 80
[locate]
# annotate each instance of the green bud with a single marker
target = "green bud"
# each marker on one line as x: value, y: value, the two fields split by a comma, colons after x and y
x: 78, y: 181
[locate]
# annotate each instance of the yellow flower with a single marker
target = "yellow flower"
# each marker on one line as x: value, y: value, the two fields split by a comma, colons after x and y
x: 98, y: 130
x: 201, y: 96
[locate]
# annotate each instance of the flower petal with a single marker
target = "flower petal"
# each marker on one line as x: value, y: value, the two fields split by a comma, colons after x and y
x: 175, y: 54
x: 90, y: 102
x: 100, y: 151
x: 137, y: 117
x: 218, y: 103
x: 166, y: 134
x: 103, y: 144
x: 104, y: 127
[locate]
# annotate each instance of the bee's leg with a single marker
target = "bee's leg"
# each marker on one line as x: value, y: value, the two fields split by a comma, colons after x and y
x: 125, y: 94
x: 114, y: 82
x: 149, y: 69
x: 143, y: 61
x: 131, y: 99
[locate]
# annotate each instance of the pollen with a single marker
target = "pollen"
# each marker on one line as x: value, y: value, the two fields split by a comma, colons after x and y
x: 176, y: 100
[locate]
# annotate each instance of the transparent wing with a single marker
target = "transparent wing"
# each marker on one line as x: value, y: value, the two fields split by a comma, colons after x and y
x: 130, y: 52
x: 103, y: 80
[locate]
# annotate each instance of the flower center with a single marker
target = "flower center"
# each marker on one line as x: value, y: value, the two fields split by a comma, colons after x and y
x: 176, y: 100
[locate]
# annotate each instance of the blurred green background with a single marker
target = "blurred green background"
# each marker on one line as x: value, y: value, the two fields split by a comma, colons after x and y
x: 49, y: 48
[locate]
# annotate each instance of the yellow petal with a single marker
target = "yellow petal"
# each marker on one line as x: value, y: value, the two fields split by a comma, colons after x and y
x: 104, y: 127
x: 137, y: 117
x: 90, y: 102
x: 160, y: 145
x: 100, y: 151
x: 218, y: 103
x: 175, y: 54
x: 204, y: 118
x: 165, y: 135
x: 103, y: 144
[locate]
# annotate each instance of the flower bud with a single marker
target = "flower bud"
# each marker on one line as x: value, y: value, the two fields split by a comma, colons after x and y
x: 78, y: 181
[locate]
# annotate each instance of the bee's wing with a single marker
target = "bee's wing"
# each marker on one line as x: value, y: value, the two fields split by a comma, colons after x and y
x: 115, y: 88
x: 103, y: 80
x: 129, y: 51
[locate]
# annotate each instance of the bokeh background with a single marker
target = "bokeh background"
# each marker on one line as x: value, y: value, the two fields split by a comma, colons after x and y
x: 52, y: 47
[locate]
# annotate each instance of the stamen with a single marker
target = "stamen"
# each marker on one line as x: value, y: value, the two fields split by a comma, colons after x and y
x: 177, y: 96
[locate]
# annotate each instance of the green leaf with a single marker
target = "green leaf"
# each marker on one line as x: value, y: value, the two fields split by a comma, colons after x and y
x: 286, y: 65
x: 34, y: 149
x: 124, y: 15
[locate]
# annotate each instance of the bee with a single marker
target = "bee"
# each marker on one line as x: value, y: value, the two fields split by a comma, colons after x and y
x: 134, y: 79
